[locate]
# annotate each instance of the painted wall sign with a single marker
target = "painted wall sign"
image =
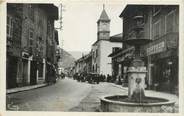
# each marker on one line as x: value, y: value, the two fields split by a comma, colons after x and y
x: 157, y: 48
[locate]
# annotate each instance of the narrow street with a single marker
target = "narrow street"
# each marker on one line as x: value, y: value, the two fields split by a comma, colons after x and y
x: 65, y: 57
x: 65, y: 95
x: 71, y: 95
x: 62, y: 96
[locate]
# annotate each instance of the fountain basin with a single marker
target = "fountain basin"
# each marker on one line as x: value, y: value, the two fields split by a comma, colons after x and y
x: 120, y: 103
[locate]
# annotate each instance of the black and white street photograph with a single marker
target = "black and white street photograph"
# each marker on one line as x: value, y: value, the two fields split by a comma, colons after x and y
x: 92, y: 57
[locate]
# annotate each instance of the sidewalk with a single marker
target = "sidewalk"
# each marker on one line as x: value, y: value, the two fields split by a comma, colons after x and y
x: 19, y: 89
x: 91, y: 102
x: 154, y: 93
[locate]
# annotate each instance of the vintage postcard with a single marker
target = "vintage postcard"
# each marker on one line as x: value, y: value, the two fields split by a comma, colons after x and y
x: 91, y: 57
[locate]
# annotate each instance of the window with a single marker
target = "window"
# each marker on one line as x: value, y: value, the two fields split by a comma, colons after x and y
x: 40, y: 40
x: 96, y: 67
x: 156, y: 10
x: 156, y: 29
x: 31, y: 12
x: 30, y: 37
x: 96, y: 52
x: 170, y: 22
x: 9, y: 26
x: 40, y: 72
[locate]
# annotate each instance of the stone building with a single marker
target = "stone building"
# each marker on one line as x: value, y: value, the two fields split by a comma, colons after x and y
x: 160, y: 25
x: 101, y: 63
x: 162, y: 52
x: 14, y: 57
x: 83, y: 64
x: 36, y: 28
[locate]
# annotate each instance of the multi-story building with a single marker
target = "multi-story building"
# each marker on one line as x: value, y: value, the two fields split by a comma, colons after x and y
x: 101, y: 63
x: 29, y: 28
x: 162, y: 52
x: 160, y: 25
x: 14, y: 57
x: 116, y: 57
x: 84, y: 64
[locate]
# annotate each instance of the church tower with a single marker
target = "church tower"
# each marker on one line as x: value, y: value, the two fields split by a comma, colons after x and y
x: 103, y: 24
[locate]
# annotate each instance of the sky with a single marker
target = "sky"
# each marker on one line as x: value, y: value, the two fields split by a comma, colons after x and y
x: 80, y: 23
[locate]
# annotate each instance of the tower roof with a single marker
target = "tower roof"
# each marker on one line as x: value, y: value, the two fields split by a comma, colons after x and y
x: 103, y: 16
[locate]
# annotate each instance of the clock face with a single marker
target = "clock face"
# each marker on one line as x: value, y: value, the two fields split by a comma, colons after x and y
x: 103, y: 27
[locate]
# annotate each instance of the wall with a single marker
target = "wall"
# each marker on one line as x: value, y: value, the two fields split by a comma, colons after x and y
x: 13, y: 62
x: 105, y: 61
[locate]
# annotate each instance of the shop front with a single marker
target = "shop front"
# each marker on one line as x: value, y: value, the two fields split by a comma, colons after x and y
x: 162, y: 67
x: 123, y: 60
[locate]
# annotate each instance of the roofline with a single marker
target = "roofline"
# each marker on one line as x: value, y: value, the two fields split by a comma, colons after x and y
x: 105, y: 20
x: 100, y: 40
x: 133, y: 6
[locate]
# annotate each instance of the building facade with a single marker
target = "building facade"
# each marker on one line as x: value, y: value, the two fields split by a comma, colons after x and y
x: 83, y: 64
x: 30, y: 24
x: 14, y: 57
x: 160, y: 25
x: 162, y: 52
x: 101, y: 63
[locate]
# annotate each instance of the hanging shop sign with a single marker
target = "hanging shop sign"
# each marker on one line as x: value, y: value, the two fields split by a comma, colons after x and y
x: 25, y: 55
x: 156, y: 48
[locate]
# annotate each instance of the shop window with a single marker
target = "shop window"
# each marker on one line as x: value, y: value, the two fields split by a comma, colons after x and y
x: 156, y: 29
x: 170, y: 22
x: 9, y: 26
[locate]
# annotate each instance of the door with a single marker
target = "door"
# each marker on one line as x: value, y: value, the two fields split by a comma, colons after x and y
x: 33, y: 72
x: 25, y: 72
x: 11, y: 72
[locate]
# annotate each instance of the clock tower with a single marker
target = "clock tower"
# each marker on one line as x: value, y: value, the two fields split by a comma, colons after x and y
x: 103, y: 24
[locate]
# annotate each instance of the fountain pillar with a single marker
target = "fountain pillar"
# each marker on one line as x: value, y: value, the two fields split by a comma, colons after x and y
x: 136, y: 73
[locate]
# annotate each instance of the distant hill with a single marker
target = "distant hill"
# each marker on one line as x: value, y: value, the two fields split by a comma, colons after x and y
x: 77, y: 54
x: 67, y: 59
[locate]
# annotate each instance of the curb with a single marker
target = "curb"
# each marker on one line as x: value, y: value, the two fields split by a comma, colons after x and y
x: 119, y: 86
x: 147, y: 91
x: 15, y: 90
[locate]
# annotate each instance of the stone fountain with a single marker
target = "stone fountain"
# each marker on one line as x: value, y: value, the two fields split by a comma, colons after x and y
x: 136, y: 101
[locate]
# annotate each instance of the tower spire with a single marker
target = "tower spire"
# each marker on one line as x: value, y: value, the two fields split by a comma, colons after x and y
x: 103, y: 6
x: 103, y: 15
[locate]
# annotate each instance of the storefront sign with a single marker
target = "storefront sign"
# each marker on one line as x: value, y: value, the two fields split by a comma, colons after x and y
x: 160, y: 47
x: 25, y: 55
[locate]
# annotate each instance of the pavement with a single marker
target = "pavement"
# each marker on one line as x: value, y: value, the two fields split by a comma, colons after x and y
x: 70, y: 95
x: 19, y: 89
x: 62, y: 96
x: 91, y: 103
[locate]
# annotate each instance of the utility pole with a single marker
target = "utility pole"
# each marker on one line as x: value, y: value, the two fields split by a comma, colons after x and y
x: 60, y: 28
